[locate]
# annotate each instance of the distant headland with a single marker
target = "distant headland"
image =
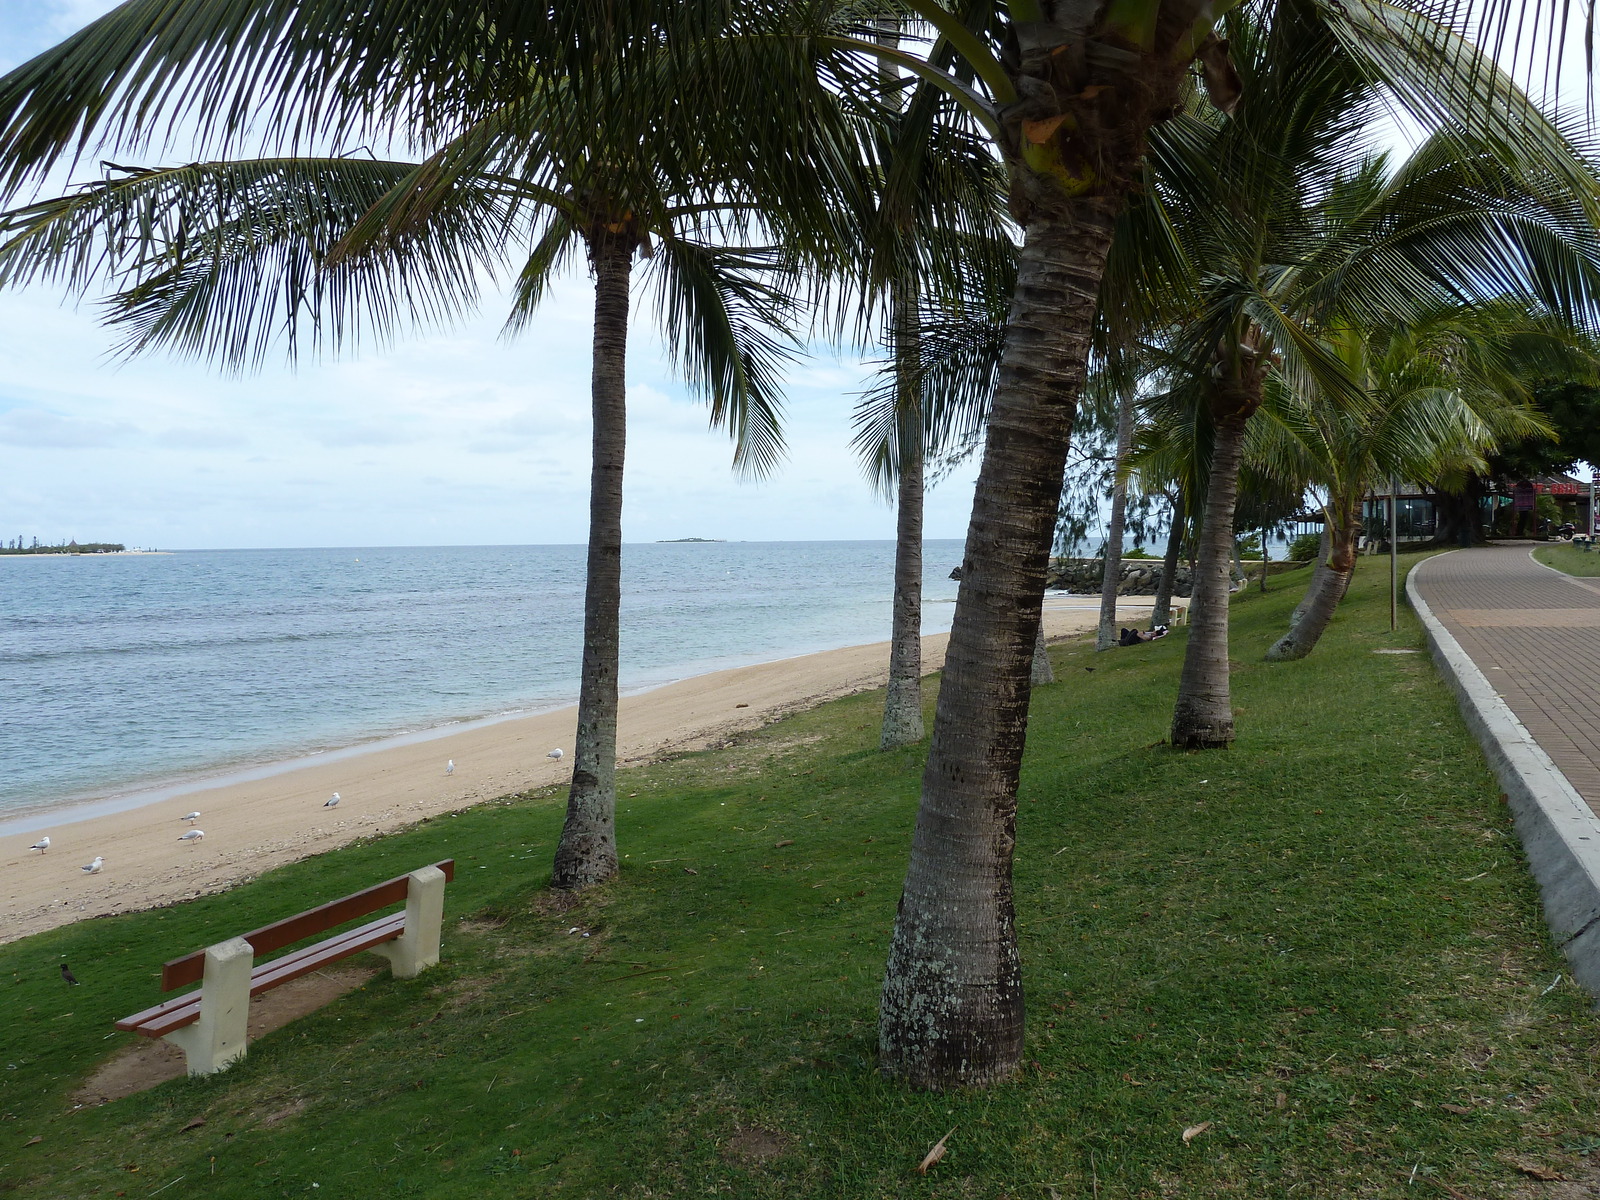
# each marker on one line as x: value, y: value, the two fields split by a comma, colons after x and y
x: 673, y: 541
x: 15, y: 546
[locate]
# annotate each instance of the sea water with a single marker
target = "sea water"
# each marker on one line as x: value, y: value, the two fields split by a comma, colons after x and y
x: 119, y: 673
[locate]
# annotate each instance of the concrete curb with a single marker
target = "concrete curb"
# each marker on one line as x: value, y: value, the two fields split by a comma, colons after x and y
x: 1560, y: 832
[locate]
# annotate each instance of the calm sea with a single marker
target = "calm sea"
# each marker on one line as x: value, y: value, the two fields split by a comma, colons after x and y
x: 122, y: 673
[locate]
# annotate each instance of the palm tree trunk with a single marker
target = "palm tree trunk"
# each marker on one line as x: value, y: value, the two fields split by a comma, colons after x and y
x: 1161, y: 611
x: 1203, y: 716
x: 952, y: 1008
x: 902, y: 705
x: 1106, y: 636
x: 587, y: 852
x: 1325, y: 592
x: 1318, y: 573
x: 1041, y: 672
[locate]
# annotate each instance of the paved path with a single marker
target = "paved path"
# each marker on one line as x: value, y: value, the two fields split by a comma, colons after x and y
x: 1535, y: 635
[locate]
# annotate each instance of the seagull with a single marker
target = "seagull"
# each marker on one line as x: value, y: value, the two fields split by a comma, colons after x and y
x: 191, y: 817
x: 94, y: 867
x: 68, y: 975
x: 555, y: 754
x: 332, y: 801
x: 194, y: 835
x: 41, y: 845
x: 450, y: 766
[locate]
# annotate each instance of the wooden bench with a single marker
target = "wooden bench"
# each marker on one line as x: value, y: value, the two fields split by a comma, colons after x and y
x: 210, y: 1024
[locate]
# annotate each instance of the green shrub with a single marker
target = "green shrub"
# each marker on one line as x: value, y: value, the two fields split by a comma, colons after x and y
x: 1304, y: 548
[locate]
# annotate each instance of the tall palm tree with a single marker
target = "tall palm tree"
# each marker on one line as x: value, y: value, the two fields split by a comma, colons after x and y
x: 1440, y: 395
x: 333, y: 242
x: 1067, y: 90
x: 935, y: 244
x: 1286, y: 230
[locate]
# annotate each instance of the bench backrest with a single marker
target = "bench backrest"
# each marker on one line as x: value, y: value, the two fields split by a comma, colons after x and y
x: 191, y: 967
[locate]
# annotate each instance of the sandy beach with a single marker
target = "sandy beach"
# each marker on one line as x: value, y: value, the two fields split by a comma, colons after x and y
x: 253, y: 826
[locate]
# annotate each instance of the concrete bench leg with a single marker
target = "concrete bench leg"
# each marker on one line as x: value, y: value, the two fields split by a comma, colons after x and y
x: 417, y: 949
x: 217, y: 1040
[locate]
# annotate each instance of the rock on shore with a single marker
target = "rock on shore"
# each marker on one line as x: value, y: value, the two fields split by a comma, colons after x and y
x: 1140, y: 576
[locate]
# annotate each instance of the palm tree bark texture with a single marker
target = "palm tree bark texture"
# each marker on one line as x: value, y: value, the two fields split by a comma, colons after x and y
x: 1203, y: 716
x: 1042, y: 672
x: 1328, y: 585
x: 1106, y: 636
x: 587, y: 852
x: 952, y: 1007
x: 902, y: 705
x: 1324, y: 548
x: 1161, y: 610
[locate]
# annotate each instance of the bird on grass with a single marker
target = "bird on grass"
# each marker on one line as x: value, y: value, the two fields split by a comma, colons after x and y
x: 332, y: 801
x: 555, y: 754
x: 194, y: 835
x: 450, y: 766
x: 41, y: 845
x: 93, y: 868
x: 191, y: 817
x: 68, y: 976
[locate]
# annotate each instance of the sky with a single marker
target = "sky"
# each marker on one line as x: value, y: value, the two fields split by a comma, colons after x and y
x: 451, y: 437
x: 455, y: 437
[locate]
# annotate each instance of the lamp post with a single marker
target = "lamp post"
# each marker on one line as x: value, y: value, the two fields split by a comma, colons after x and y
x: 1394, y: 556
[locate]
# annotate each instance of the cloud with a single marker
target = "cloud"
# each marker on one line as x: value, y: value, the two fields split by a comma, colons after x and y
x: 345, y: 436
x: 200, y: 439
x: 33, y: 428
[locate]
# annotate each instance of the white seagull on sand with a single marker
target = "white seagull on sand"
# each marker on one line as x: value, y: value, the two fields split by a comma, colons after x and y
x: 94, y: 867
x: 194, y: 835
x: 555, y: 754
x: 41, y: 845
x: 450, y: 766
x: 191, y: 817
x: 332, y: 801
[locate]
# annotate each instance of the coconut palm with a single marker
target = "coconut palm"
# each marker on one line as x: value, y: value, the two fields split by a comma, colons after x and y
x: 934, y: 246
x: 1288, y: 232
x: 1068, y: 91
x: 1441, y: 394
x: 219, y: 257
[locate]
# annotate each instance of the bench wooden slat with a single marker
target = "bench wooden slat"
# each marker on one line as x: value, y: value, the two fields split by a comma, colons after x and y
x: 191, y: 967
x: 172, y: 1014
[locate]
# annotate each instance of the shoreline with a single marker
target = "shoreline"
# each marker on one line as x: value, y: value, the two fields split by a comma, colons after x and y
x: 276, y: 815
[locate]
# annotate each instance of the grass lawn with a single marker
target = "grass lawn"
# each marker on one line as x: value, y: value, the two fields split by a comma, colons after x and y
x: 1568, y: 558
x: 1323, y: 943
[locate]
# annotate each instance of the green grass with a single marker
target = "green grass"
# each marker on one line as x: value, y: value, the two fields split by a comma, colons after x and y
x: 1314, y: 941
x: 1569, y: 559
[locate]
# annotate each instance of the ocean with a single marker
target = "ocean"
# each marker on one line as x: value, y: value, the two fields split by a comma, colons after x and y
x: 125, y: 673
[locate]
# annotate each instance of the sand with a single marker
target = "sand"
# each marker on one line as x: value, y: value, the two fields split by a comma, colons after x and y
x: 253, y: 826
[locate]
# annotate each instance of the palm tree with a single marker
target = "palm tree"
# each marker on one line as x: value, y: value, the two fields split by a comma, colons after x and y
x: 1441, y: 394
x: 935, y: 244
x: 1285, y: 231
x: 336, y: 241
x: 1068, y: 91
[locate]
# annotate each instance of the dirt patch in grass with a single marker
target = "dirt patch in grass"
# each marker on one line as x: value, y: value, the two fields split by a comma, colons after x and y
x: 152, y: 1061
x: 756, y: 1145
x: 283, y: 1113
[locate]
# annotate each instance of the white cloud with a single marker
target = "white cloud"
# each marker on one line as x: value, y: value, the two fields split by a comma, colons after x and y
x: 33, y: 429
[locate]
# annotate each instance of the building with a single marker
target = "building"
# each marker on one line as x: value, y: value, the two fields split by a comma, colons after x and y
x: 1508, y: 510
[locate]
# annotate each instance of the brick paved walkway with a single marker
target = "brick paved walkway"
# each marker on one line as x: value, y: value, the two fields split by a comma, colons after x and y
x: 1535, y: 634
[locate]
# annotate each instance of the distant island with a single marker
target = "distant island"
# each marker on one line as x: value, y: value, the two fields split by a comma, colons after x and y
x: 15, y: 546
x: 674, y: 541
